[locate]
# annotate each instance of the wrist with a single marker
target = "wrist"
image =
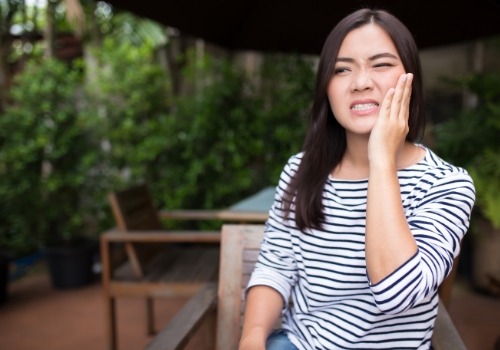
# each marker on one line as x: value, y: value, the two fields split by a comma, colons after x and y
x: 254, y: 335
x: 382, y: 166
x: 252, y: 342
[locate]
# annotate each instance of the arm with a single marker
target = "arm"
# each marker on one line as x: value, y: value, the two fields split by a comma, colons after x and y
x: 272, y: 279
x: 438, y: 220
x: 389, y: 242
x: 262, y: 311
x: 409, y: 254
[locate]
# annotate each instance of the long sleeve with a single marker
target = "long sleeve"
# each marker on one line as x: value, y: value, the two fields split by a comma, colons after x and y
x: 438, y: 223
x: 323, y: 271
x: 276, y: 265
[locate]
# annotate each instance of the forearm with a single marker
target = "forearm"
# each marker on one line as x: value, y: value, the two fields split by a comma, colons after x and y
x: 263, y: 308
x: 389, y: 242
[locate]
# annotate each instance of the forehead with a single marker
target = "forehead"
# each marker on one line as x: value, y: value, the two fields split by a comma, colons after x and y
x: 367, y: 41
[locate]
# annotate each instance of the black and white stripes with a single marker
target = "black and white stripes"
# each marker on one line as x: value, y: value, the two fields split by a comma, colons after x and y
x: 324, y: 271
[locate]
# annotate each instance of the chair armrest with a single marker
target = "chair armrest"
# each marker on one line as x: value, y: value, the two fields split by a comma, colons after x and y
x: 128, y: 238
x: 446, y: 336
x: 178, y: 332
x: 222, y: 215
x: 161, y: 236
x: 243, y: 216
x: 189, y: 214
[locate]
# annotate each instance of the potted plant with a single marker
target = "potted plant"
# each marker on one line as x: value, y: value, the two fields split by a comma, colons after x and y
x: 471, y: 140
x: 13, y: 248
x: 50, y: 150
x: 5, y: 258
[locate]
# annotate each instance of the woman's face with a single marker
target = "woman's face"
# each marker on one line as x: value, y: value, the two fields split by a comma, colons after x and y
x: 367, y: 65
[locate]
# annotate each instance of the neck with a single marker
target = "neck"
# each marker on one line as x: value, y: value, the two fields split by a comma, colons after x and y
x: 355, y: 166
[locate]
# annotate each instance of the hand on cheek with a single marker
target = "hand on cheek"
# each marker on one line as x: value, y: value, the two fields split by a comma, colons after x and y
x: 391, y: 128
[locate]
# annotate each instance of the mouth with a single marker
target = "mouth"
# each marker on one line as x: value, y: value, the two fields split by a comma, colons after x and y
x: 363, y: 106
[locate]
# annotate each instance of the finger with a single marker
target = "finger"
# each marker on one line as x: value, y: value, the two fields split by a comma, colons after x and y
x: 385, y: 109
x: 405, y: 105
x: 397, y: 100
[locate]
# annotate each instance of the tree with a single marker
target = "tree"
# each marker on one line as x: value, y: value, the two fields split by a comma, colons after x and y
x: 8, y: 10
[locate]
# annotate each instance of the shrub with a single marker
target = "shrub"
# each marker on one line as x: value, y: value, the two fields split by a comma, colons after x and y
x: 48, y: 160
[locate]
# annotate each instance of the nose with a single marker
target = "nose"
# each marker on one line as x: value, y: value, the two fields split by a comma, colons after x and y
x: 361, y: 80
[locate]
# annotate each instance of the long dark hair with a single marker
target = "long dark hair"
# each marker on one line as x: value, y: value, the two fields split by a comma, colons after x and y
x: 325, y: 141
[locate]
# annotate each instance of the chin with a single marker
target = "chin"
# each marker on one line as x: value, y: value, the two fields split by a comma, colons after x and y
x: 365, y: 129
x: 360, y: 133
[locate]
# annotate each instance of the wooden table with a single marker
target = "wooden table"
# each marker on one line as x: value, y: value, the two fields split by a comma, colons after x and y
x: 253, y: 209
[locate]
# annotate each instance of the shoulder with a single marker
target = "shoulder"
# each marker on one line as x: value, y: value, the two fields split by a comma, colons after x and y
x: 289, y: 170
x: 440, y: 168
x: 296, y: 158
x: 293, y: 162
x: 438, y: 173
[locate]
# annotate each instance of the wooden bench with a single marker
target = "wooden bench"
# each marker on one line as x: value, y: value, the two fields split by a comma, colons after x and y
x: 141, y: 259
x: 224, y: 301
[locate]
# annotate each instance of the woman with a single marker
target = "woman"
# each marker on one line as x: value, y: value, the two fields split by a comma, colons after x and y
x: 366, y: 222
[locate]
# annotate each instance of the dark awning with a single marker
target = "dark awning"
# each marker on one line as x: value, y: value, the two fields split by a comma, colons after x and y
x: 302, y: 26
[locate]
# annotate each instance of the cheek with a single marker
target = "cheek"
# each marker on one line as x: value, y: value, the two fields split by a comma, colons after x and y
x: 395, y: 77
x: 391, y: 82
x: 333, y: 93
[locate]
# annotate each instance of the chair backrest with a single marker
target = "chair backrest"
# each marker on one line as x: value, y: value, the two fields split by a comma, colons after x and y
x: 240, y: 246
x: 134, y: 210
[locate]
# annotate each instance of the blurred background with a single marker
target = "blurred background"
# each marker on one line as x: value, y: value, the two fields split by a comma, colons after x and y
x: 97, y: 96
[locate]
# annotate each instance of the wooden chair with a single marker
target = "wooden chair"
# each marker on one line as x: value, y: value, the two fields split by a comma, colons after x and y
x: 141, y: 259
x: 239, y: 251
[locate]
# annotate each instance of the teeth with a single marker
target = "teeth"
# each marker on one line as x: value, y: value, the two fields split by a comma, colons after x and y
x: 363, y: 107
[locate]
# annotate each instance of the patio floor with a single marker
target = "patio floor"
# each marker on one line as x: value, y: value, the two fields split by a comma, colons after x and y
x: 37, y: 316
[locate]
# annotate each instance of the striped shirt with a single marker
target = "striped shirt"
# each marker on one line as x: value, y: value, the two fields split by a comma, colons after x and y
x: 323, y: 272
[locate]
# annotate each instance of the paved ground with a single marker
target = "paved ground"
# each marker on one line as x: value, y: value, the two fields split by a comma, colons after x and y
x: 37, y: 316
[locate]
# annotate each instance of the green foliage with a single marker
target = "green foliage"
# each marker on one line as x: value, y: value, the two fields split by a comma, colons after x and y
x: 233, y: 136
x: 209, y: 148
x: 287, y: 93
x: 220, y: 139
x: 138, y: 31
x: 470, y: 140
x: 129, y: 94
x: 67, y: 141
x: 48, y: 161
x: 71, y: 133
x: 486, y: 175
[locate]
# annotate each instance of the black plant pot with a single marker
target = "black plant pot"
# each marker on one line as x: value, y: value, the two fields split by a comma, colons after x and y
x: 4, y: 277
x: 71, y: 266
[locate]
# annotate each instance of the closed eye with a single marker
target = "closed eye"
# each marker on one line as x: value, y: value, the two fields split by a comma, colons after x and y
x: 340, y: 70
x: 384, y: 64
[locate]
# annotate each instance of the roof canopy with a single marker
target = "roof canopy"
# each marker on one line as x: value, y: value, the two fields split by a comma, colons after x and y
x: 302, y: 26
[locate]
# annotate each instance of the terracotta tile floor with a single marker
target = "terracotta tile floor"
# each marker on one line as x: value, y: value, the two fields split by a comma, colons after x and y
x: 36, y: 316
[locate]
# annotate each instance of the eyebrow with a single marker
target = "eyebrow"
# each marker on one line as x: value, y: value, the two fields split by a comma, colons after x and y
x: 372, y: 58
